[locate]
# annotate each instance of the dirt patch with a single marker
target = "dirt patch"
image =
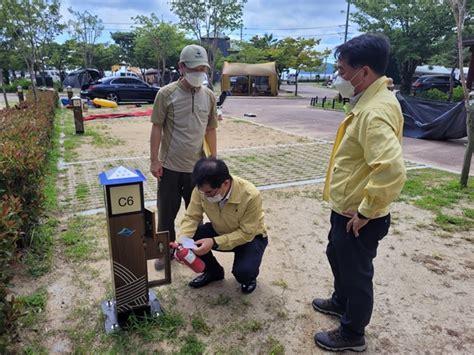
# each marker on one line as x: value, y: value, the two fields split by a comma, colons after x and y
x: 133, y: 133
x: 423, y: 278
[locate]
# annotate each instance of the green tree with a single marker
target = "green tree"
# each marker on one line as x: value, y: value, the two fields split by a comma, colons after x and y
x: 211, y: 18
x: 248, y: 53
x: 414, y: 27
x: 157, y: 43
x: 105, y: 55
x: 265, y: 42
x: 459, y: 10
x: 29, y: 26
x: 126, y: 43
x: 85, y: 28
x: 298, y: 53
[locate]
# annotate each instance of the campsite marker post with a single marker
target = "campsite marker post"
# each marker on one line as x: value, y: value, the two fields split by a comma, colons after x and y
x: 78, y: 119
x: 19, y: 91
x: 69, y: 92
x: 133, y: 247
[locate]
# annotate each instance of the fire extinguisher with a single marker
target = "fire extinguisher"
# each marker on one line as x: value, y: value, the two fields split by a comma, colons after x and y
x: 187, y: 257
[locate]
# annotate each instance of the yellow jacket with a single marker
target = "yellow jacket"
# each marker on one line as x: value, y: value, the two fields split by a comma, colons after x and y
x: 366, y: 170
x: 237, y: 223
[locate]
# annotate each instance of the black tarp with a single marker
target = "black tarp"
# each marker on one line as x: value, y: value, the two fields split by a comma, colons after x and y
x: 81, y: 77
x: 429, y: 119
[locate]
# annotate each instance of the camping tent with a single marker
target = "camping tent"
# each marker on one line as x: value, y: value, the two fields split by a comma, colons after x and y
x: 81, y: 77
x: 250, y: 79
x: 428, y: 119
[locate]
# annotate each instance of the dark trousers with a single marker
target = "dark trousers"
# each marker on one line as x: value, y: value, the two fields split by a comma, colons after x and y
x: 351, y: 263
x: 247, y: 257
x: 172, y: 187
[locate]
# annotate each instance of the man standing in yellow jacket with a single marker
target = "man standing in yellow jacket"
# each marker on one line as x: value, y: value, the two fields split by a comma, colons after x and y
x: 366, y: 173
x: 234, y: 208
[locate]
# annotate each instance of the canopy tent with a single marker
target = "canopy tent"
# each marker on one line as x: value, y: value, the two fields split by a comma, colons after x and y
x: 81, y: 77
x: 125, y: 68
x: 250, y: 79
x: 429, y: 119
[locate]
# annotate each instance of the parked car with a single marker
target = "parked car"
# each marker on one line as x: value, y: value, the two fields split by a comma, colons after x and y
x: 427, y: 82
x: 291, y: 79
x: 120, y: 89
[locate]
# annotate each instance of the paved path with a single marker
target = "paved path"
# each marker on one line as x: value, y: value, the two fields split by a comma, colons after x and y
x: 294, y: 115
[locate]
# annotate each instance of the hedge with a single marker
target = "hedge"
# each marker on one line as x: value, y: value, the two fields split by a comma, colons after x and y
x: 25, y: 140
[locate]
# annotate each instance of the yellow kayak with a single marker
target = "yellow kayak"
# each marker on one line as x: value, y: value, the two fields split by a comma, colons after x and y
x: 104, y: 103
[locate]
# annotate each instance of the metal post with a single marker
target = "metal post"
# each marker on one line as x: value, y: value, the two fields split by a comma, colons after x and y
x: 78, y: 119
x: 69, y: 92
x: 333, y: 103
x: 347, y: 20
x: 324, y: 101
x: 19, y: 91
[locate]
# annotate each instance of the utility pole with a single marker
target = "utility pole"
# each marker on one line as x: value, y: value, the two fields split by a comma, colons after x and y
x: 347, y: 19
x: 241, y: 28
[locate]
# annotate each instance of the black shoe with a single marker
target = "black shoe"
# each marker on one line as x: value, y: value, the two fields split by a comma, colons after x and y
x: 249, y: 287
x: 206, y: 278
x: 334, y: 340
x: 326, y: 306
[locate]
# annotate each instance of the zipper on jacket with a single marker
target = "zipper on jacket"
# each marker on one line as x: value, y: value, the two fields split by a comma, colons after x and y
x: 192, y: 95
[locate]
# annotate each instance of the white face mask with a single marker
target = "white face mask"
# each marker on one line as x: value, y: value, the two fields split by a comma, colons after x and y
x: 345, y: 87
x: 215, y: 198
x: 195, y: 78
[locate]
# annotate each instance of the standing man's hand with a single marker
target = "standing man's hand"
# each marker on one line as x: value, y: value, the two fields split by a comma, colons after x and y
x: 204, y: 246
x: 156, y: 168
x: 356, y: 223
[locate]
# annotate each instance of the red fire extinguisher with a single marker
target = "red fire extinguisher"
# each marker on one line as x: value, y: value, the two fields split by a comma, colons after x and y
x: 186, y: 256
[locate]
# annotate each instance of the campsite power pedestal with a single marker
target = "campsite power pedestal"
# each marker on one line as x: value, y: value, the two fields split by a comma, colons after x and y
x: 133, y: 245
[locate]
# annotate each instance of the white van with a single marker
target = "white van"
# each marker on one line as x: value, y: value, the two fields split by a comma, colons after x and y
x: 291, y: 79
x: 53, y: 73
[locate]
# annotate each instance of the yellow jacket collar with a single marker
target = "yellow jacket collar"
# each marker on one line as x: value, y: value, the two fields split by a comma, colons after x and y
x: 236, y: 192
x: 376, y: 86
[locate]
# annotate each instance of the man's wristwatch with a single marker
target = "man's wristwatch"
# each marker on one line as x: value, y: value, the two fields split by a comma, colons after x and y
x: 361, y: 216
x: 215, y: 246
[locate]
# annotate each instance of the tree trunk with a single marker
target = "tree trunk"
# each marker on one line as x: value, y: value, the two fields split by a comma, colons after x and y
x: 163, y: 66
x: 451, y: 85
x: 407, y: 69
x: 296, y: 82
x: 32, y: 78
x: 466, y: 166
x: 3, y: 89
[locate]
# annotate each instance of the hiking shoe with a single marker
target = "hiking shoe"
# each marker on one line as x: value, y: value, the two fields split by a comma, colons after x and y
x: 326, y: 306
x: 334, y: 340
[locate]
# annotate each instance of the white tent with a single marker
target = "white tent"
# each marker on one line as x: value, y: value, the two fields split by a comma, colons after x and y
x: 432, y: 70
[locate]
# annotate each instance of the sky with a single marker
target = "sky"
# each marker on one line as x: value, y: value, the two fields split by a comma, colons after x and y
x: 319, y: 19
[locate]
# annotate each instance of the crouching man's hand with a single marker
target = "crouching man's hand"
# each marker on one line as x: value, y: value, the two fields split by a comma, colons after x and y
x: 204, y: 246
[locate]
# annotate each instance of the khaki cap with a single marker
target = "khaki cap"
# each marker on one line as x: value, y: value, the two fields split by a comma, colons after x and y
x: 193, y: 56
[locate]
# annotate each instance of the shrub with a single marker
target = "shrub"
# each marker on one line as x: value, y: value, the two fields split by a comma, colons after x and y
x: 458, y: 94
x: 433, y: 94
x: 24, y: 83
x: 10, y: 222
x: 25, y: 140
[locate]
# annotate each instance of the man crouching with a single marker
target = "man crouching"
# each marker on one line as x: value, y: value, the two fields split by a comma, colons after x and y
x: 234, y: 208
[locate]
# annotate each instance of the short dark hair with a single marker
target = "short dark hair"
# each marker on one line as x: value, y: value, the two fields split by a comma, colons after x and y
x: 210, y: 171
x: 371, y: 49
